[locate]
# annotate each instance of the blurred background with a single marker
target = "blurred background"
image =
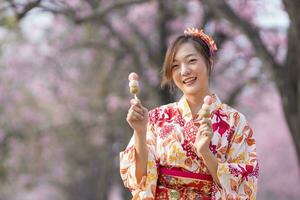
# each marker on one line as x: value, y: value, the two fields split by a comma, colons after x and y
x: 64, y: 89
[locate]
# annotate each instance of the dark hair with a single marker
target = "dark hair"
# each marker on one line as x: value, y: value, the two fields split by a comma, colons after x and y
x: 199, y: 45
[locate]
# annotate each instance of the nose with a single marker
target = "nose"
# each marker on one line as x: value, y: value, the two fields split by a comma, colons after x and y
x: 185, y: 70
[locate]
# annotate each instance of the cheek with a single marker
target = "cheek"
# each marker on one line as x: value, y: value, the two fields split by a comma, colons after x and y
x: 207, y: 71
x: 203, y: 69
x: 175, y: 78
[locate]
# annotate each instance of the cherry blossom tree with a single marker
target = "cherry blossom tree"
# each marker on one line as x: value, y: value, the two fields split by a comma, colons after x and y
x: 63, y: 100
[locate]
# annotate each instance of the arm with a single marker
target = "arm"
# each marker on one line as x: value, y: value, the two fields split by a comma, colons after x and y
x: 137, y: 118
x: 138, y: 164
x: 212, y: 164
x: 204, y: 137
x: 141, y: 155
x: 238, y: 174
x: 236, y: 177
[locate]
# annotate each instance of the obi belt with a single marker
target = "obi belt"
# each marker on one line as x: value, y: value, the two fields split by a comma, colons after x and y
x: 178, y: 183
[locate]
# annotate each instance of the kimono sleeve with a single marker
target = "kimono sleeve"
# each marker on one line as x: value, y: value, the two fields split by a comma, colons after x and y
x: 238, y: 174
x: 145, y: 189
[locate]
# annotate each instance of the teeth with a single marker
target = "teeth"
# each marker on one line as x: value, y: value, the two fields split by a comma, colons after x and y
x: 189, y: 80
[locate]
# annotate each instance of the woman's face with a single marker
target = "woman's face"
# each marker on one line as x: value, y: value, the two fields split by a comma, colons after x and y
x: 189, y: 71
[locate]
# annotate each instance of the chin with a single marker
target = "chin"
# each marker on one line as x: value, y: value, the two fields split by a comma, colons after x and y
x: 191, y: 91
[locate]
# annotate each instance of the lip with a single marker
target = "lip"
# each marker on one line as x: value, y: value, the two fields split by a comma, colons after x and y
x: 190, y: 80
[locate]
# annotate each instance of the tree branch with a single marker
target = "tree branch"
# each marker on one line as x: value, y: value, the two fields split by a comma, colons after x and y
x: 163, y: 18
x: 144, y: 41
x: 222, y: 10
x: 292, y: 8
x: 28, y: 7
x: 102, y: 11
x: 97, y: 45
x: 231, y: 99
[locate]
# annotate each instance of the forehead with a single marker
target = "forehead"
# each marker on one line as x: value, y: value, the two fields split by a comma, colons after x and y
x: 184, y: 51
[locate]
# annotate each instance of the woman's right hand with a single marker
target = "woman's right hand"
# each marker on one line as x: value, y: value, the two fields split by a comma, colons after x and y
x: 137, y: 117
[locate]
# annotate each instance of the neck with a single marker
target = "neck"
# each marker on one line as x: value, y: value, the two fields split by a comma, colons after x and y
x: 195, y: 101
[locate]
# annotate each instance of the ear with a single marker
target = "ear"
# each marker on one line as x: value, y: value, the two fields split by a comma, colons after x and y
x: 211, y: 63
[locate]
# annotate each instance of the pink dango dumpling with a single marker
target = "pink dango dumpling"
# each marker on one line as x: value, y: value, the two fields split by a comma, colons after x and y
x: 205, y: 110
x: 133, y: 76
x: 208, y: 100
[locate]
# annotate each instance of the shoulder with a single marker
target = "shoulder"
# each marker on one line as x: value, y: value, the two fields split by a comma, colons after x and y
x: 232, y: 111
x: 234, y: 117
x: 238, y: 120
x: 164, y: 108
x: 224, y: 111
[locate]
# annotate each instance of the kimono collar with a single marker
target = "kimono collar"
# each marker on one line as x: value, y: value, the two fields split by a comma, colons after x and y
x: 186, y: 111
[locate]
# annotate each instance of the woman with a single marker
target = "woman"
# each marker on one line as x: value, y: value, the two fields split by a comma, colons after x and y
x: 174, y: 152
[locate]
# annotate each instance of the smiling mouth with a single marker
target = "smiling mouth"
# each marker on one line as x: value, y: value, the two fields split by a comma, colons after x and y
x: 189, y: 80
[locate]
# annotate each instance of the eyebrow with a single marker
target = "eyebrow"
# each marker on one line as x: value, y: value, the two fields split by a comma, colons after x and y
x: 189, y: 55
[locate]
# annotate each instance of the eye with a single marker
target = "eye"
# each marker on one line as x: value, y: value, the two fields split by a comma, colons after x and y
x: 192, y: 61
x: 174, y: 67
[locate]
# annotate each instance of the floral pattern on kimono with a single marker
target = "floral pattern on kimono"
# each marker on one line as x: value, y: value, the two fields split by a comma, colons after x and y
x: 171, y: 133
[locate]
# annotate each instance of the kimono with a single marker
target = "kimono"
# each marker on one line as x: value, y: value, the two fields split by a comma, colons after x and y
x: 175, y: 171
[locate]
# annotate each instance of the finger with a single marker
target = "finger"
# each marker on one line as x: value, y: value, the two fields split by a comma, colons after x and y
x: 138, y: 118
x: 203, y: 129
x: 205, y: 126
x: 136, y: 114
x: 135, y: 102
x: 138, y: 110
x: 209, y: 124
x: 201, y: 135
x: 131, y: 118
x: 205, y: 121
x: 145, y: 110
x: 206, y: 133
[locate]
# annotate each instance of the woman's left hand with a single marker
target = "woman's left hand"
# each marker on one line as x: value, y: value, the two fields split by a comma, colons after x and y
x: 204, y: 136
